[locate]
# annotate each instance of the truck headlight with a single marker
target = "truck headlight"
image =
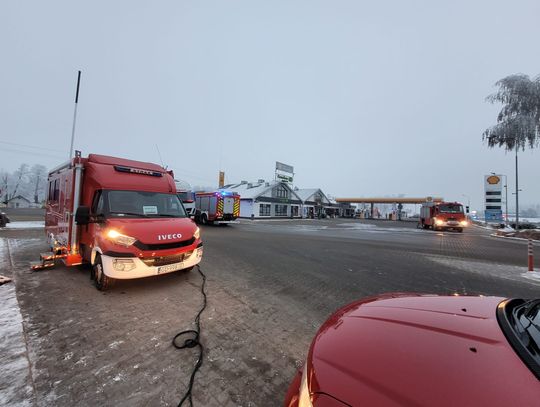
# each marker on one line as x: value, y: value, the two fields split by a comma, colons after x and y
x: 439, y: 222
x: 118, y: 238
x: 464, y: 223
x: 197, y: 234
x: 304, y: 398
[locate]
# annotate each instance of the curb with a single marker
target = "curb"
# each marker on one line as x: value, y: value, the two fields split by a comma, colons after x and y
x: 535, y: 242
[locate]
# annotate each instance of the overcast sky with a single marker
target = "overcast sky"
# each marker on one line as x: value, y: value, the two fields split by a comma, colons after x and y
x: 362, y: 98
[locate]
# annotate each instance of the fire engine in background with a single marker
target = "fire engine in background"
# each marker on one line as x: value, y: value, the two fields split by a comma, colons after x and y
x: 186, y: 195
x: 121, y: 216
x: 443, y: 215
x: 220, y: 207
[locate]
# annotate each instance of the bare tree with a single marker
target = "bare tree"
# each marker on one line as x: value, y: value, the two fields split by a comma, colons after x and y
x: 518, y: 122
x: 38, y: 176
x: 5, y: 186
x: 21, y: 177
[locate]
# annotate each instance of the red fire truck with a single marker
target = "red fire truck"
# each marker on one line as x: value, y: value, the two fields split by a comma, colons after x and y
x: 443, y: 215
x: 219, y: 207
x: 121, y: 216
x: 186, y: 195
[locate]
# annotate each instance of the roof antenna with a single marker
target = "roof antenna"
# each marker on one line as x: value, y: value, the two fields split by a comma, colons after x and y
x: 74, y: 117
x: 160, y: 159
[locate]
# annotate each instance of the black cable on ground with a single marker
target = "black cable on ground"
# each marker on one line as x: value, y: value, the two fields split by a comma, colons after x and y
x: 192, y: 342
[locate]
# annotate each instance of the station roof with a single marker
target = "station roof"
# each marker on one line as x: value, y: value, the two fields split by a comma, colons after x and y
x: 402, y: 200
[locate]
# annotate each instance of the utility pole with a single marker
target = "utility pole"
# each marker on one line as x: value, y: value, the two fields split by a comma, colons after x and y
x: 517, y: 190
x: 506, y: 198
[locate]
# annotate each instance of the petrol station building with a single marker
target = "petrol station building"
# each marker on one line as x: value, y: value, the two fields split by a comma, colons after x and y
x: 267, y: 199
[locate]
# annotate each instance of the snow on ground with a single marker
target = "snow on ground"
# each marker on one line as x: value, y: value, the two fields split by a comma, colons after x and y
x: 31, y: 224
x: 532, y: 275
x: 15, y: 381
x: 496, y: 270
x: 16, y: 388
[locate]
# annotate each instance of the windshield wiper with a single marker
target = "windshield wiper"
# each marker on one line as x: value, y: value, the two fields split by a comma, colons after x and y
x: 129, y: 213
x: 528, y: 307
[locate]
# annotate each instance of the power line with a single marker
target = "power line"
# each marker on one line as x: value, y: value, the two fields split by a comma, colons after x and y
x: 14, y: 150
x: 29, y: 146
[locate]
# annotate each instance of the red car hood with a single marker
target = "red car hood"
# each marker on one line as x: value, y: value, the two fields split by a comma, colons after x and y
x: 155, y: 230
x: 419, y: 351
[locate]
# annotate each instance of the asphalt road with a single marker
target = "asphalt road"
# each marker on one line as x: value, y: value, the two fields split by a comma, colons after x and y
x: 270, y: 286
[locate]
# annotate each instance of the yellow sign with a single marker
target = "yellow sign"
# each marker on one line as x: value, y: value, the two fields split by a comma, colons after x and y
x: 493, y: 180
x: 221, y: 179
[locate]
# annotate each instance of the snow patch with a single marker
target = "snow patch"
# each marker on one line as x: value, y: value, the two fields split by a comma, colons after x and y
x: 115, y: 344
x: 31, y: 224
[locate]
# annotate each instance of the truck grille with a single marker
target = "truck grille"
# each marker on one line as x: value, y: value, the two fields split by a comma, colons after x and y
x: 165, y: 260
x: 163, y: 246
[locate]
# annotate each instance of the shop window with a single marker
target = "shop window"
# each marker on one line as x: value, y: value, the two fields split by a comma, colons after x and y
x: 264, y: 210
x: 281, y: 210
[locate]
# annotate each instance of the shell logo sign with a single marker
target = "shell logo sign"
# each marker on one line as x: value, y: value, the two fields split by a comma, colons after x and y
x: 493, y: 180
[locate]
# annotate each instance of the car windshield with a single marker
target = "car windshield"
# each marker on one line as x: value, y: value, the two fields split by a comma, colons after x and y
x: 451, y: 208
x: 142, y: 204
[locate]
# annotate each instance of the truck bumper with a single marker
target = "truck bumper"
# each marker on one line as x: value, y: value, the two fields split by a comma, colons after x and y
x: 451, y: 225
x: 133, y: 267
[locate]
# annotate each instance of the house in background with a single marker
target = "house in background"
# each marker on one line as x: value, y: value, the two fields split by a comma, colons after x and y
x: 19, y: 202
x: 267, y: 199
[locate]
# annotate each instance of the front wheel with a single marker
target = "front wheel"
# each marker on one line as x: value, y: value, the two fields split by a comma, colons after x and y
x: 101, y: 281
x: 460, y: 230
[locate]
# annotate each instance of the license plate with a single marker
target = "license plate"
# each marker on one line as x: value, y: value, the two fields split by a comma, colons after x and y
x: 170, y: 267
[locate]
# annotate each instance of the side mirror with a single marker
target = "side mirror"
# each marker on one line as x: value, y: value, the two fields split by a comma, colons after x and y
x: 82, y: 216
x: 467, y: 209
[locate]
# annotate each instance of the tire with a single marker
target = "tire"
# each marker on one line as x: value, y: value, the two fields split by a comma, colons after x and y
x: 460, y: 230
x: 101, y: 281
x: 204, y: 219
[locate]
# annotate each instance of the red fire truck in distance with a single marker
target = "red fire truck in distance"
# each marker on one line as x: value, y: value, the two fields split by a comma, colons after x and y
x: 219, y: 207
x: 121, y: 216
x: 443, y: 215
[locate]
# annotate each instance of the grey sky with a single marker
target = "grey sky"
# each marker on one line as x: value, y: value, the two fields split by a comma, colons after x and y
x: 362, y: 98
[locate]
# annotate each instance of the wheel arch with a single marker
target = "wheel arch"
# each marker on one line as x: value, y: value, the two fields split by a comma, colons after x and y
x: 95, y: 252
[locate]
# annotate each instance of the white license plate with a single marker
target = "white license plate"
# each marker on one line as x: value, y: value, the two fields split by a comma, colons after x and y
x: 170, y: 267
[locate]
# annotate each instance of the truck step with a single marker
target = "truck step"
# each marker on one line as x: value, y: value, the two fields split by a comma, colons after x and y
x: 40, y: 265
x: 48, y: 256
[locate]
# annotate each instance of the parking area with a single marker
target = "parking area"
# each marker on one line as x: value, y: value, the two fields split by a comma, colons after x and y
x: 269, y: 284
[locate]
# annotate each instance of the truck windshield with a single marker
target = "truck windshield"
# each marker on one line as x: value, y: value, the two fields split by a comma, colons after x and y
x: 142, y: 204
x: 186, y: 196
x: 450, y: 208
